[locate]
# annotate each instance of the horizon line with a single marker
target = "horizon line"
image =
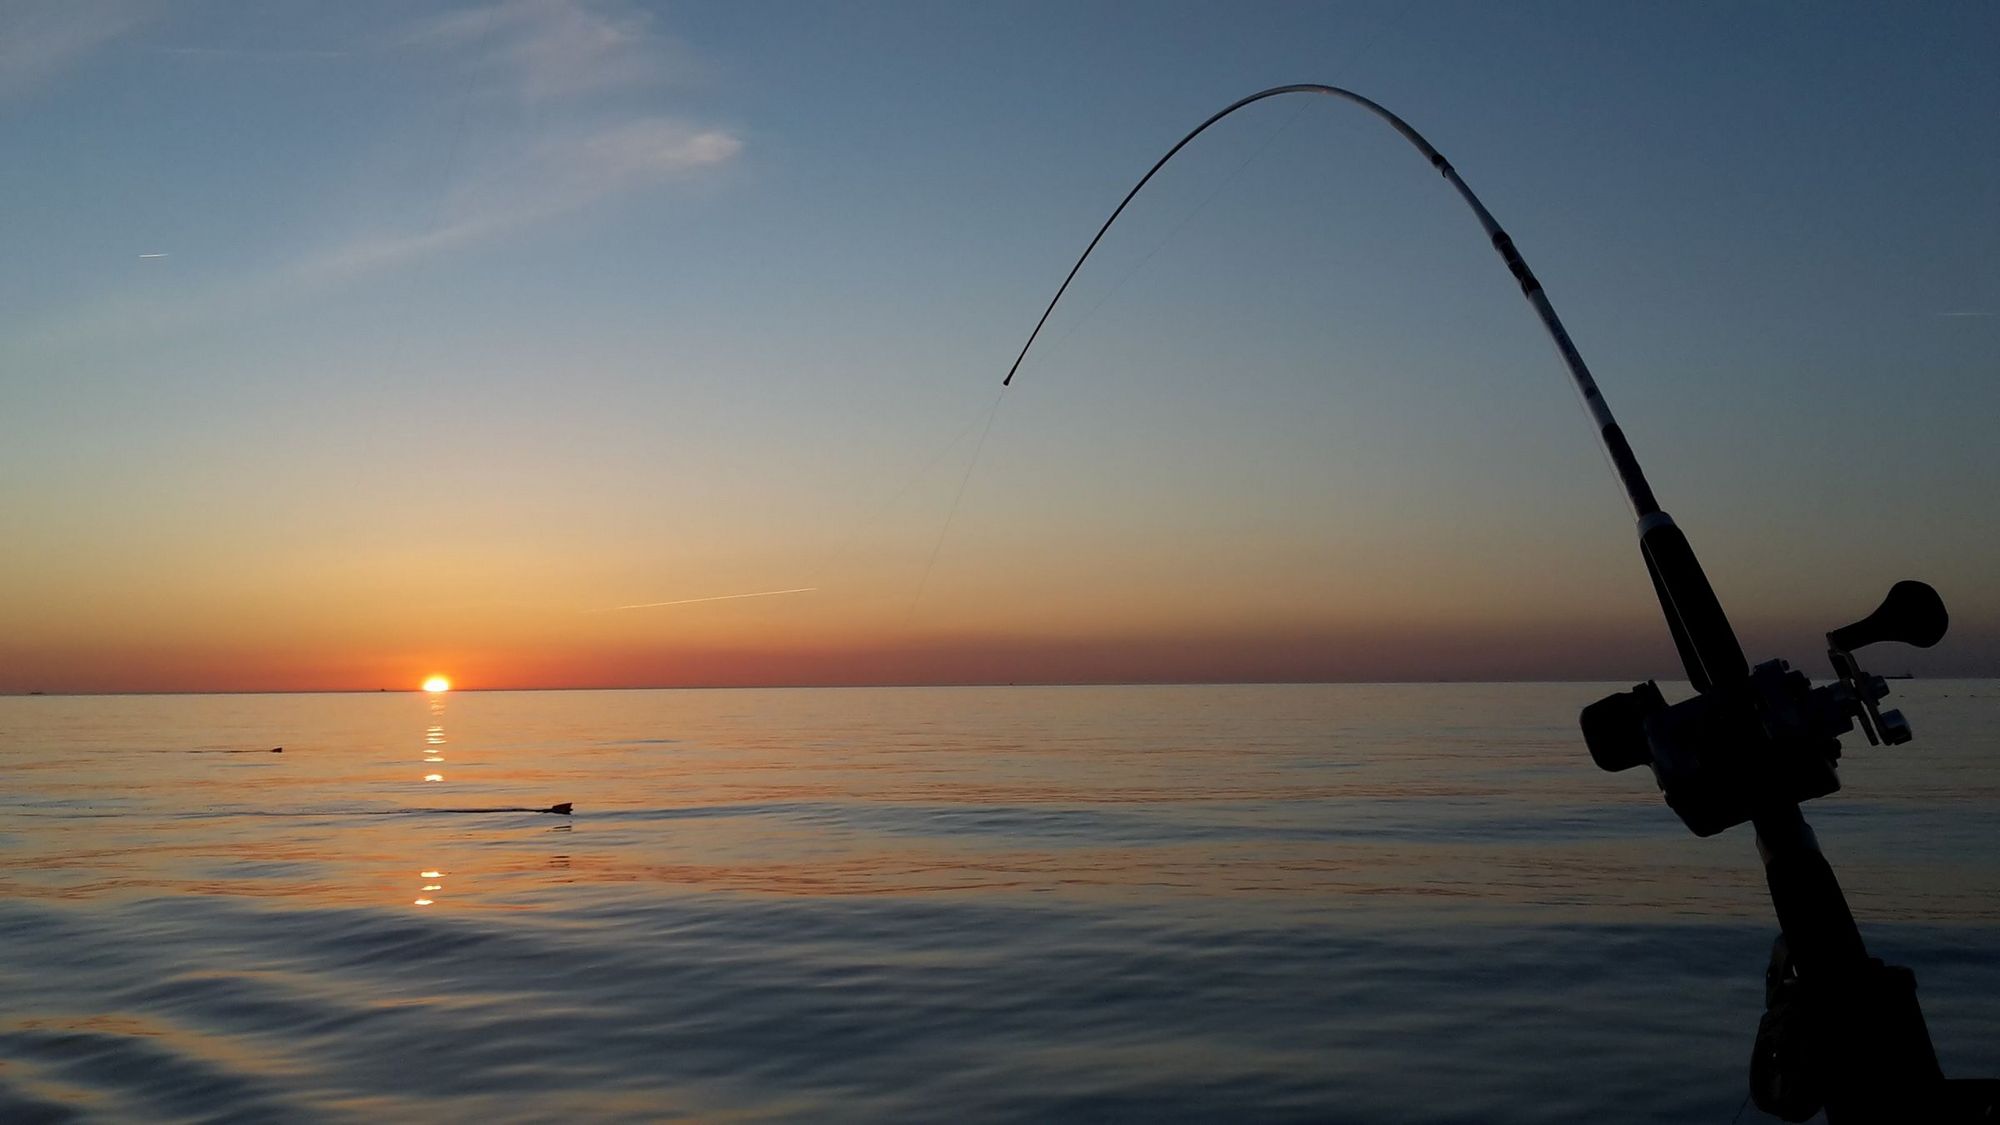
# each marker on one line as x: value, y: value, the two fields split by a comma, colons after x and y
x: 870, y: 687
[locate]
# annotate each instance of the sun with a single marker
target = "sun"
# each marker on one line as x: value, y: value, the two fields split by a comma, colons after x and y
x: 437, y: 684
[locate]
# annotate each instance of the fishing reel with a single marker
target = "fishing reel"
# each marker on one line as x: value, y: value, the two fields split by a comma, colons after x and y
x: 1771, y: 738
x: 1842, y: 1030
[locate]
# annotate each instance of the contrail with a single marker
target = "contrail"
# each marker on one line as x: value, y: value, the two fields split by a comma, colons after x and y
x: 152, y: 255
x: 720, y: 598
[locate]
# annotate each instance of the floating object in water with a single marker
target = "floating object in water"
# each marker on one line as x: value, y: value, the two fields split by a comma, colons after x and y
x: 562, y: 809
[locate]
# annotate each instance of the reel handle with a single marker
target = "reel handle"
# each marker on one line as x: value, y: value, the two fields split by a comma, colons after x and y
x: 1912, y: 613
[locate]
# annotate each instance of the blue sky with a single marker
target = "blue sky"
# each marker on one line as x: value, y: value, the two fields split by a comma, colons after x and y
x: 474, y: 319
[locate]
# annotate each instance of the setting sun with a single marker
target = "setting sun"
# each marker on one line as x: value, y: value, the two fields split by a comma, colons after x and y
x: 437, y: 683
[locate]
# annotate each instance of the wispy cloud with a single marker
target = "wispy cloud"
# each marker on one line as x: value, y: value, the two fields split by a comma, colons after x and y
x: 579, y: 147
x: 714, y: 598
x: 575, y: 51
x: 559, y: 48
x: 1964, y: 314
x: 249, y: 52
x: 560, y: 175
x: 41, y: 39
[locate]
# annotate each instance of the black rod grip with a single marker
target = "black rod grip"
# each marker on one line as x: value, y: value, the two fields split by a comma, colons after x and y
x: 1708, y: 647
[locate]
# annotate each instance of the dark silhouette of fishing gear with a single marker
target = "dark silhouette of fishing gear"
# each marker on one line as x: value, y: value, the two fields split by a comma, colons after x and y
x: 1841, y: 1030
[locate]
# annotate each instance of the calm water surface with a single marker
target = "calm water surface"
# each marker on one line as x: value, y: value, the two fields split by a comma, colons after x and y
x: 1346, y: 903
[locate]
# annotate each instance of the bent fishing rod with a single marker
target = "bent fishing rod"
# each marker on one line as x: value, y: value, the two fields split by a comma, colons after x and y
x: 1841, y: 1030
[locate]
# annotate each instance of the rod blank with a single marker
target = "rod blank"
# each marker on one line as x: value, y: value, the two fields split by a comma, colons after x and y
x: 1623, y: 463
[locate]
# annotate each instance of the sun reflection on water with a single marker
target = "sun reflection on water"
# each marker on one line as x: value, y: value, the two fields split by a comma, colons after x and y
x: 433, y: 751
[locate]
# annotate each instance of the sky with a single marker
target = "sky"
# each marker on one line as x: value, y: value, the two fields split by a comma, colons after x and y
x: 341, y: 345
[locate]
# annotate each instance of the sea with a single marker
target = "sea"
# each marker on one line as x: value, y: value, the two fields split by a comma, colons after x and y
x: 1344, y: 903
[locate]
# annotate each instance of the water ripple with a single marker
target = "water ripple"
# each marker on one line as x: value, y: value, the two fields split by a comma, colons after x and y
x: 1119, y: 904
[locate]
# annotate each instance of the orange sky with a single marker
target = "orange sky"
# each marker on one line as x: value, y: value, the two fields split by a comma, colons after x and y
x: 1627, y: 650
x: 423, y: 358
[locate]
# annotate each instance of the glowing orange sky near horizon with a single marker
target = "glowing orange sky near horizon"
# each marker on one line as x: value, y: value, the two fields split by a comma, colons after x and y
x: 1117, y: 605
x: 444, y: 380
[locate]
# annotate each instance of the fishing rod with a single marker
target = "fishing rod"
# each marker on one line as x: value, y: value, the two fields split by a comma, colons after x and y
x: 1841, y: 1030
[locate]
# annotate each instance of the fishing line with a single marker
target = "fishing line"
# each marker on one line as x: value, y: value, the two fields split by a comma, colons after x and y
x: 832, y: 555
x: 924, y: 579
x: 971, y: 423
x: 834, y: 548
